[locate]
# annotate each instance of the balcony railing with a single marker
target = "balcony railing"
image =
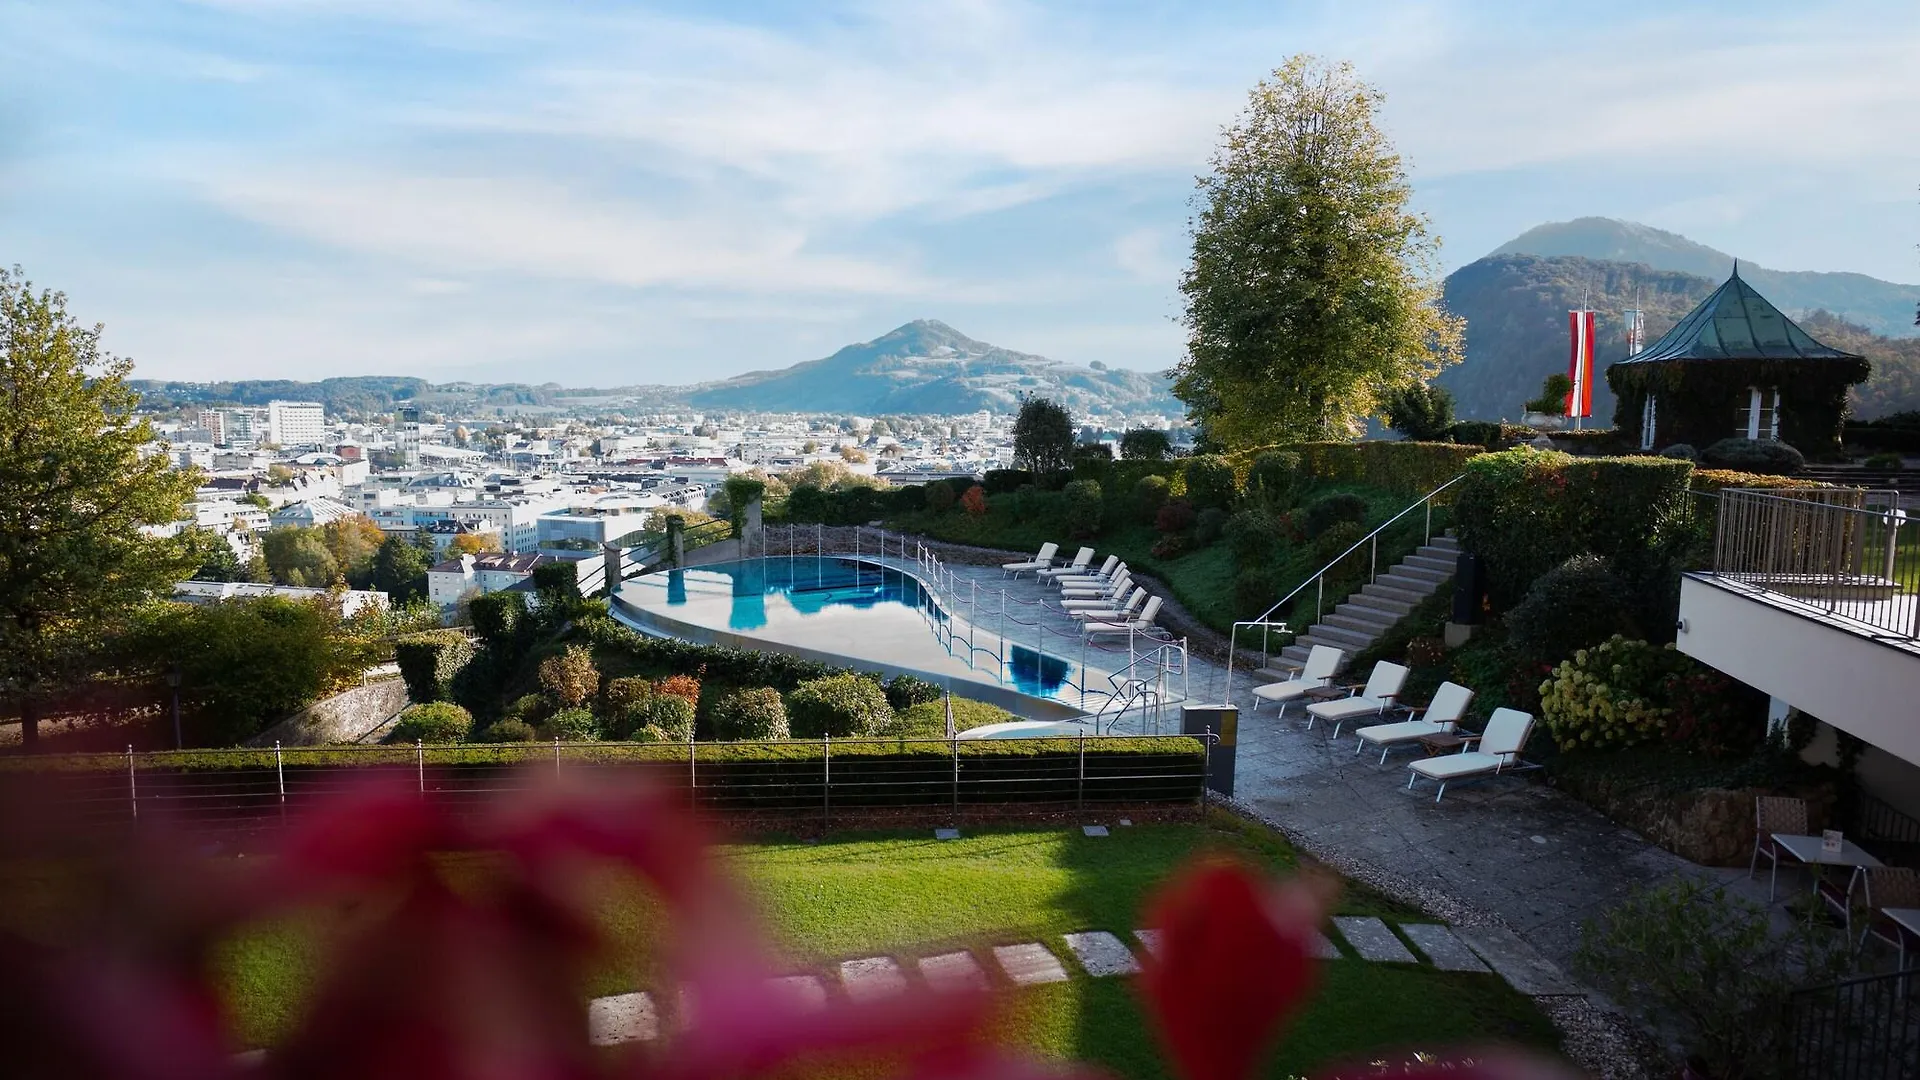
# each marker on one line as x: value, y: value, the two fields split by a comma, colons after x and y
x: 1844, y: 552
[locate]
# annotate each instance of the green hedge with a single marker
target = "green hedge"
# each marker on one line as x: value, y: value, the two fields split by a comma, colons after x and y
x: 430, y: 661
x: 1404, y: 468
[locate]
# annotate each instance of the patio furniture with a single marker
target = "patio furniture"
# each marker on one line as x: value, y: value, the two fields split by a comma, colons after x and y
x: 1039, y: 562
x: 1128, y: 626
x: 1811, y: 851
x: 1106, y: 610
x: 1893, y: 910
x: 1445, y: 744
x: 1383, y: 685
x: 1080, y: 562
x: 1773, y: 814
x: 1440, y: 717
x: 1112, y: 566
x: 1317, y: 672
x: 1500, y: 746
x: 1096, y: 592
x: 1093, y: 603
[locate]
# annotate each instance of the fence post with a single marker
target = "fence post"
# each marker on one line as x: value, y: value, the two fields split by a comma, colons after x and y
x: 1206, y: 766
x: 280, y: 778
x: 556, y: 757
x: 420, y: 766
x: 956, y: 781
x: 133, y: 787
x: 1080, y: 788
x: 693, y: 776
x: 826, y: 780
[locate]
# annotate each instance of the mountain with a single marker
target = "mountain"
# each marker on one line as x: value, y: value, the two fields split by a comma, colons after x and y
x: 1883, y: 307
x: 927, y: 366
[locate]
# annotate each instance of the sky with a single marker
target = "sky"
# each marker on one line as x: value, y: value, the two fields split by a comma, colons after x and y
x: 603, y: 194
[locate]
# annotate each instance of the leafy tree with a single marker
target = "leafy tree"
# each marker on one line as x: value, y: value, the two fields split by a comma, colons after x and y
x: 1145, y: 444
x: 257, y: 500
x: 353, y: 542
x: 299, y: 556
x: 76, y: 493
x: 1420, y: 412
x: 473, y: 544
x: 218, y: 561
x: 1311, y: 288
x: 400, y: 570
x: 1043, y: 436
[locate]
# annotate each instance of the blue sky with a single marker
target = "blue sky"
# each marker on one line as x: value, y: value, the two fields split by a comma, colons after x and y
x: 604, y: 194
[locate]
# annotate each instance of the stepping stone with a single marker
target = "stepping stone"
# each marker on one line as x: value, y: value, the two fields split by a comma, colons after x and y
x: 805, y: 993
x: 1321, y: 948
x: 1102, y: 954
x: 872, y: 979
x: 1094, y: 830
x: 1150, y: 939
x: 1372, y: 940
x: 1446, y: 950
x: 1029, y: 964
x: 622, y: 1018
x: 953, y: 972
x: 1517, y: 962
x: 946, y: 834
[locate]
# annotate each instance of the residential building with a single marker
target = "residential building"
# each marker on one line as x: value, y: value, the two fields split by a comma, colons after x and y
x: 296, y: 423
x: 312, y: 513
x: 492, y: 572
x: 351, y: 601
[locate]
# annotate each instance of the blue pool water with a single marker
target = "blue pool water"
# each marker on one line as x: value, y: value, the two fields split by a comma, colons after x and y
x: 843, y: 605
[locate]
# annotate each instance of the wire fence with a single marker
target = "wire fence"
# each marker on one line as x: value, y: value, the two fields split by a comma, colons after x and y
x: 804, y: 781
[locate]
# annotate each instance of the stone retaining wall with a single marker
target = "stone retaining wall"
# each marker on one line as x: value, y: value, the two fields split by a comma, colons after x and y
x: 343, y: 718
x: 1710, y: 826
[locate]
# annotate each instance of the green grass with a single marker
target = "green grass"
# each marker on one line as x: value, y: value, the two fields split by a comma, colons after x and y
x: 855, y: 894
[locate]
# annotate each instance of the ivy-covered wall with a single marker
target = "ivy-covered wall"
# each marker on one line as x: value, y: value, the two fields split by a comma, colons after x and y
x: 1700, y: 400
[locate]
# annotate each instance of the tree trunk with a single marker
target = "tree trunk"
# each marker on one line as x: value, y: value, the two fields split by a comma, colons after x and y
x: 29, y: 724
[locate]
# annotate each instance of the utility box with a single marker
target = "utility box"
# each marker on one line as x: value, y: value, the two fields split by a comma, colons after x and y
x: 1223, y: 722
x: 1469, y: 599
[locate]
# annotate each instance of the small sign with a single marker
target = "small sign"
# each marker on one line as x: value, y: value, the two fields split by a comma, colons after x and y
x: 1830, y: 841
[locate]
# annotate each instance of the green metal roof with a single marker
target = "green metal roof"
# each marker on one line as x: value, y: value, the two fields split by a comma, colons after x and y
x: 1737, y: 323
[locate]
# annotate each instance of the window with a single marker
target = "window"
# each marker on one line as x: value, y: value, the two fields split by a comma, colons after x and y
x: 1760, y: 414
x: 1648, y: 420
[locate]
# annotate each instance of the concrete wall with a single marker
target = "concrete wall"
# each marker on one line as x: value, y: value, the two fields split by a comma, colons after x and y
x: 344, y: 717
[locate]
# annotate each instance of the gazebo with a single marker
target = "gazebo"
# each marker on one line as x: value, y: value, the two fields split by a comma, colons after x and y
x: 1735, y: 367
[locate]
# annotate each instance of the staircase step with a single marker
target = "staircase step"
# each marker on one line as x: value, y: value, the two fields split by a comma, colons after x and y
x: 1386, y: 591
x: 1445, y: 540
x: 1347, y: 647
x: 1417, y: 586
x: 1358, y: 611
x: 1431, y: 551
x: 1341, y: 636
x: 1421, y: 566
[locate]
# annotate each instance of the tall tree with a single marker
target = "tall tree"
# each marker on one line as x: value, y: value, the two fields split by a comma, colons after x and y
x: 299, y: 556
x: 400, y: 570
x: 1313, y: 289
x: 76, y: 495
x: 1043, y: 436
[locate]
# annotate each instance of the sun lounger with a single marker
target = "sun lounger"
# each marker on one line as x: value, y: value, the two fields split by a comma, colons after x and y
x: 1322, y: 662
x: 1079, y: 565
x: 1112, y: 613
x: 1440, y: 717
x: 1500, y: 747
x: 1107, y: 570
x: 1039, y: 562
x: 1096, y: 603
x: 1096, y: 592
x: 1130, y: 626
x: 1383, y: 685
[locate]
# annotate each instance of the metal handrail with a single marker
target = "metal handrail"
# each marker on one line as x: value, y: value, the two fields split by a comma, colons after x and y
x: 1319, y: 577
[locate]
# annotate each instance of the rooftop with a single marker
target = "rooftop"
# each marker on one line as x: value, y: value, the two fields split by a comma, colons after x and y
x: 1737, y: 323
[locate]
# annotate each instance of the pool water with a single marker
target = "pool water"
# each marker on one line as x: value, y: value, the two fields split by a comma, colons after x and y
x: 847, y: 606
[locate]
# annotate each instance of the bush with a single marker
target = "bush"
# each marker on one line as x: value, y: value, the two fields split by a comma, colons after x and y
x: 1084, y: 511
x: 1553, y: 396
x: 1145, y: 444
x: 1210, y: 482
x: 1577, y: 604
x: 928, y: 720
x: 1149, y: 495
x: 572, y: 725
x: 1171, y: 546
x: 842, y: 706
x: 570, y: 678
x: 1477, y: 433
x: 557, y: 583
x: 509, y: 731
x: 1253, y: 535
x: 1273, y: 479
x: 429, y: 661
x: 499, y: 618
x: 1681, y: 452
x: 671, y: 714
x: 1405, y: 468
x: 685, y: 687
x: 1006, y: 481
x: 1893, y: 462
x: 1755, y: 455
x: 625, y: 701
x: 529, y: 709
x: 1175, y: 518
x: 1329, y: 510
x: 1337, y: 538
x: 1208, y: 525
x: 1254, y: 592
x: 1420, y: 412
x: 1624, y: 693
x: 750, y: 714
x: 974, y: 502
x: 906, y: 691
x: 939, y: 497
x: 433, y: 722
x: 647, y: 733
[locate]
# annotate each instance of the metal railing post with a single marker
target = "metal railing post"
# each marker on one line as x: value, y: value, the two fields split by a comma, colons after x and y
x: 1373, y: 560
x: 1206, y: 766
x: 956, y: 779
x: 1080, y: 788
x: 420, y: 766
x: 693, y: 778
x: 826, y: 780
x: 133, y: 785
x: 556, y: 757
x: 280, y: 780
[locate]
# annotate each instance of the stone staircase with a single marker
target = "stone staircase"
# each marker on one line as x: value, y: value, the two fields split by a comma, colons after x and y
x: 1375, y: 609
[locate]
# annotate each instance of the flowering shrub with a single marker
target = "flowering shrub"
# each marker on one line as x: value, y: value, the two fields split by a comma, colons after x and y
x: 974, y: 502
x: 840, y: 706
x: 750, y: 714
x: 680, y: 686
x: 1624, y: 692
x: 570, y: 678
x: 672, y: 716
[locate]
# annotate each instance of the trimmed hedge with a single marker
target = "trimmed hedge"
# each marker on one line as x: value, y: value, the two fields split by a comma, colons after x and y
x: 1404, y: 468
x: 433, y: 722
x: 842, y: 706
x: 429, y: 661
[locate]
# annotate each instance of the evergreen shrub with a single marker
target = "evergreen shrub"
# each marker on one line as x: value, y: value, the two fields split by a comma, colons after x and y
x: 433, y: 722
x: 842, y: 706
x: 429, y: 661
x: 756, y: 714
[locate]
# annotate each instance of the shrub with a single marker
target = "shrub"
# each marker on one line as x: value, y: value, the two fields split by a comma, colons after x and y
x: 625, y: 703
x: 429, y: 661
x: 1420, y: 412
x: 1577, y: 604
x: 939, y: 497
x: 433, y: 722
x: 1171, y: 546
x: 1404, y: 468
x: 1476, y: 433
x: 647, y: 733
x: 529, y: 709
x: 505, y: 731
x: 928, y: 720
x: 1175, y: 518
x: 572, y: 725
x: 1145, y: 444
x: 1329, y: 510
x: 557, y: 583
x: 974, y: 502
x: 672, y: 715
x: 1210, y: 482
x: 498, y: 618
x: 1006, y: 481
x: 1084, y: 509
x: 1253, y: 592
x: 1337, y: 538
x: 1274, y: 478
x: 906, y: 691
x: 1885, y: 461
x: 1624, y: 693
x: 750, y: 714
x: 1681, y: 451
x: 1252, y: 535
x: 842, y: 706
x: 1208, y: 525
x: 685, y: 687
x: 1553, y: 396
x: 1755, y: 455
x: 1149, y: 495
x: 570, y: 677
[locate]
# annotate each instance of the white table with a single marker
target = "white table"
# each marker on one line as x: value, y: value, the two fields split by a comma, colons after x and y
x: 1812, y: 852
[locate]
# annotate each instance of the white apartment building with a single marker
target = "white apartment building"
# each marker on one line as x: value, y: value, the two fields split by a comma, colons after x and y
x: 296, y: 423
x: 447, y: 582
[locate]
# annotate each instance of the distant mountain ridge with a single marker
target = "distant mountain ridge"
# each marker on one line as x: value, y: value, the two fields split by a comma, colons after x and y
x: 1884, y: 307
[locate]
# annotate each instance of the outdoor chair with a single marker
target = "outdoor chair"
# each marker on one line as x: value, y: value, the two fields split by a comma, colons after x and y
x: 1322, y: 663
x: 1891, y: 887
x: 1109, y: 612
x: 1084, y: 577
x: 1500, y: 746
x: 1097, y: 603
x: 1440, y: 717
x: 1096, y: 590
x: 1774, y: 814
x: 1079, y: 564
x: 1126, y: 626
x: 1039, y: 562
x: 1383, y: 685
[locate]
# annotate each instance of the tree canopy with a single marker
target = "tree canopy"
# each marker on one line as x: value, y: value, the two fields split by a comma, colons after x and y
x: 1145, y: 444
x: 1312, y: 289
x: 1043, y: 436
x: 1420, y: 412
x: 77, y: 495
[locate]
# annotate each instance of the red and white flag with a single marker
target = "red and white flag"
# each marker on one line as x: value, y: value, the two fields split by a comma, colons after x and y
x: 1580, y: 364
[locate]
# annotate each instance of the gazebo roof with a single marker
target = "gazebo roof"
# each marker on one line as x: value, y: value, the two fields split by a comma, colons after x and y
x: 1737, y: 323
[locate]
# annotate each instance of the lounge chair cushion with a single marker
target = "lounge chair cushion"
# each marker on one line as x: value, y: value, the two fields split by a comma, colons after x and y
x: 1346, y: 707
x: 1454, y: 766
x: 1286, y: 691
x: 1405, y: 731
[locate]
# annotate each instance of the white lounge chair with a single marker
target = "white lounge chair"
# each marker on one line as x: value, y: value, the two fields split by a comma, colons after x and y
x: 1100, y: 593
x: 1322, y: 662
x: 1082, y: 560
x: 1128, y: 626
x: 1500, y: 746
x: 1440, y: 717
x: 1113, y: 612
x: 1107, y: 570
x: 1383, y: 685
x: 1039, y: 562
x: 1097, y: 603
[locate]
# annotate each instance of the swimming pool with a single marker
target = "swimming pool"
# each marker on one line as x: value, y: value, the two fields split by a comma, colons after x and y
x: 832, y: 608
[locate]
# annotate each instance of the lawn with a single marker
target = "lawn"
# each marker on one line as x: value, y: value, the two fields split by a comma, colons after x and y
x: 853, y: 895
